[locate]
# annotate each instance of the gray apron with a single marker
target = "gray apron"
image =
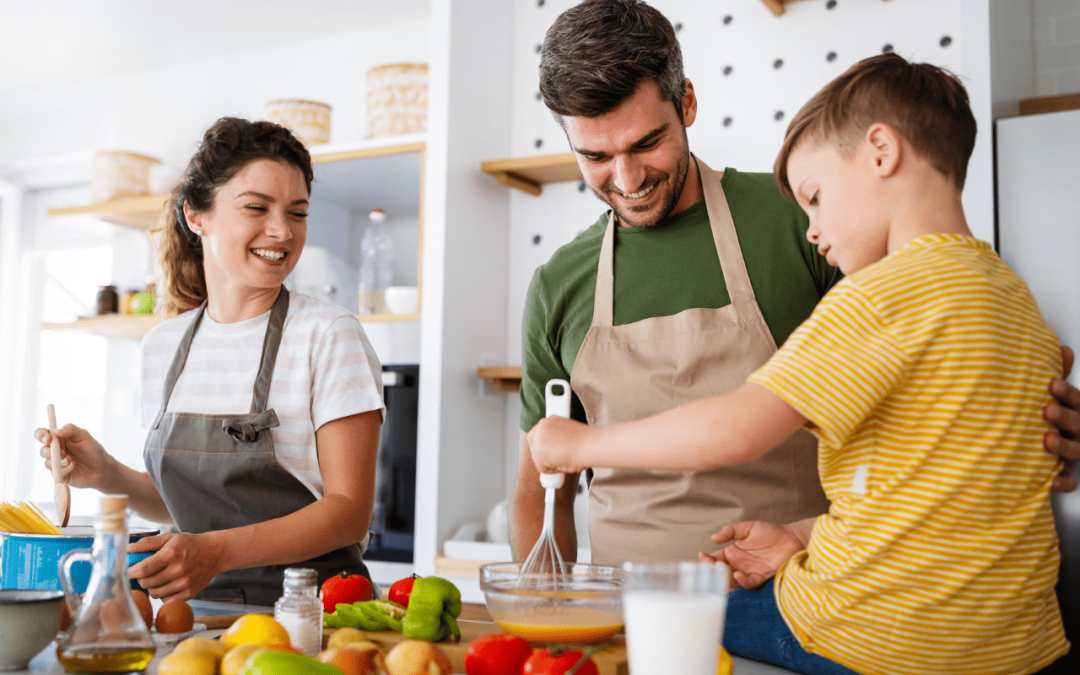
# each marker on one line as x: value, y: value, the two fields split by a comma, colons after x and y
x: 217, y: 472
x: 628, y: 372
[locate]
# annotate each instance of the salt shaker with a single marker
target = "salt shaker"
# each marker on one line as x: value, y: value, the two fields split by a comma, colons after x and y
x: 300, y: 611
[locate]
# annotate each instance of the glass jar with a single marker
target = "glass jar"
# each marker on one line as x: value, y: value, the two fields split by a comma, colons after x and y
x: 108, y: 301
x: 107, y: 633
x: 300, y: 611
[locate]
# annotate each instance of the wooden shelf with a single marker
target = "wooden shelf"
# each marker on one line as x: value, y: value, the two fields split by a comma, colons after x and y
x: 388, y: 318
x: 529, y: 174
x: 141, y: 213
x: 1048, y: 104
x: 503, y: 378
x: 130, y: 326
x: 777, y: 6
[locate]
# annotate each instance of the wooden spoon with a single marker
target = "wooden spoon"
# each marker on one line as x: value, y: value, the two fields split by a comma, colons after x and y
x: 61, y: 492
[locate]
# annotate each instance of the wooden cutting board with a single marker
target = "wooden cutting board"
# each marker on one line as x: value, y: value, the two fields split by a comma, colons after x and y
x: 474, y: 622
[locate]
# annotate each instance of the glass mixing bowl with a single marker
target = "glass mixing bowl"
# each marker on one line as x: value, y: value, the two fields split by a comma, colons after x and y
x: 582, y: 605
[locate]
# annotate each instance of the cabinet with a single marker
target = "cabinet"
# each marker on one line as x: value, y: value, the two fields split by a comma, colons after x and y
x: 349, y: 180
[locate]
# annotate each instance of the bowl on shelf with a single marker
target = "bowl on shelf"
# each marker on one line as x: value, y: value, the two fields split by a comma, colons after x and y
x: 582, y: 605
x: 402, y: 299
x: 29, y: 620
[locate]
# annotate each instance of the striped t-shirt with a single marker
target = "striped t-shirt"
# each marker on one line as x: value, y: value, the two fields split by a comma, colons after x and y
x: 325, y: 370
x: 924, y: 377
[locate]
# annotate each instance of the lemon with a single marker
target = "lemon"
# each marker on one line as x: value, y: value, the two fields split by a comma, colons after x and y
x: 724, y: 665
x: 237, y: 657
x: 187, y: 663
x: 256, y: 629
x: 213, y: 648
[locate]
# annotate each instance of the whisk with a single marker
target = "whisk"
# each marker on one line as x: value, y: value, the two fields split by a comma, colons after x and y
x: 544, y: 567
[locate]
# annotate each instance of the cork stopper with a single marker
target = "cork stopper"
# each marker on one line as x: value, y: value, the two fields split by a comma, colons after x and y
x: 114, y: 503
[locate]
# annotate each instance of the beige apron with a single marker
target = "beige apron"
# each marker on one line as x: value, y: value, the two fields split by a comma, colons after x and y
x: 624, y: 373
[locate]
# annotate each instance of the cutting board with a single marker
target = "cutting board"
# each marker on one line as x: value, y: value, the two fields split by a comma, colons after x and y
x: 474, y: 622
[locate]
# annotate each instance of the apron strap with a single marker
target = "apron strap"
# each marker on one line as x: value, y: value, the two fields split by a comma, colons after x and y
x: 732, y: 264
x: 604, y: 300
x: 178, y: 363
x: 274, y: 329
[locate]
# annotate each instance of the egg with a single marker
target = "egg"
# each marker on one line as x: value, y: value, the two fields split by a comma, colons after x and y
x: 142, y: 601
x: 175, y: 616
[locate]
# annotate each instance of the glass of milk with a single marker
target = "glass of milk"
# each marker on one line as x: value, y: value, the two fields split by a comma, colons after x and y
x: 674, y: 615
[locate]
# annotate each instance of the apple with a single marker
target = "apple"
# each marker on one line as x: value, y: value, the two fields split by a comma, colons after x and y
x: 354, y: 661
x: 417, y: 657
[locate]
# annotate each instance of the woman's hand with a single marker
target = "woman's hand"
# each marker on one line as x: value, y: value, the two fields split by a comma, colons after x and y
x: 757, y: 550
x: 1065, y: 415
x: 83, y: 461
x: 554, y: 442
x: 182, y: 564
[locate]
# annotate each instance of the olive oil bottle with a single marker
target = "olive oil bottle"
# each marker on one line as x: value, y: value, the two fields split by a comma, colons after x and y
x: 107, y: 633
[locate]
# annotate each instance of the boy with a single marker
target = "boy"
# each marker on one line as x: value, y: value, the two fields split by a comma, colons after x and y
x: 922, y: 374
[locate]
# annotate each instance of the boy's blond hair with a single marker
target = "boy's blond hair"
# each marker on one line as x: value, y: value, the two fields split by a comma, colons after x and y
x: 925, y: 104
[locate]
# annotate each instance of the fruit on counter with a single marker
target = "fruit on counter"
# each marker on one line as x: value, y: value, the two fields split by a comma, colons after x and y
x: 202, y: 645
x: 281, y: 662
x: 544, y: 662
x: 359, y: 658
x: 237, y: 657
x: 374, y: 615
x: 175, y: 616
x: 345, y: 589
x: 434, y: 606
x: 417, y: 657
x: 256, y: 629
x: 497, y: 655
x: 724, y: 664
x: 187, y: 663
x: 142, y: 601
x: 401, y: 589
x: 344, y: 636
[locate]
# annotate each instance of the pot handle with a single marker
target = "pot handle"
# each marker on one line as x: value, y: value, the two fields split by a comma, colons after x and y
x: 66, y: 561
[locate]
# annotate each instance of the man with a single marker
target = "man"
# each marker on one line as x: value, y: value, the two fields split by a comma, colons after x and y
x: 685, y: 289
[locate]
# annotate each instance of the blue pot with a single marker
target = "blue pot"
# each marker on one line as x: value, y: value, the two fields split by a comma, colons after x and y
x: 31, y: 561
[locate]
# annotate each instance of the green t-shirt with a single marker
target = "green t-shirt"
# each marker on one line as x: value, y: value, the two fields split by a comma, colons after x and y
x: 665, y: 269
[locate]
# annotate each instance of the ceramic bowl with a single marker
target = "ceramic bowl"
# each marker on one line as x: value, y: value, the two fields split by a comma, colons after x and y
x: 582, y: 605
x: 29, y: 620
x: 402, y: 299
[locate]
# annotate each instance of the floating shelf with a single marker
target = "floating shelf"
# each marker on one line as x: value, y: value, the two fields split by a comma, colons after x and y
x: 529, y: 174
x: 130, y: 326
x: 1047, y: 104
x: 777, y: 6
x: 503, y: 378
x: 141, y: 213
x: 388, y: 318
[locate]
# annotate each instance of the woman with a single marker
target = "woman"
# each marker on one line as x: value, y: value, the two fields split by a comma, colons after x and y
x: 264, y: 406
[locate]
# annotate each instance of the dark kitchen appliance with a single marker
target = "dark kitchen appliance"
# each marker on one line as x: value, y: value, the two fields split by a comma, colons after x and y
x: 393, y: 519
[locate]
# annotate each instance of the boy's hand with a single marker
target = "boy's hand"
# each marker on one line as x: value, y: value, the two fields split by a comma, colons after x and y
x: 554, y: 443
x: 1064, y: 414
x: 757, y: 550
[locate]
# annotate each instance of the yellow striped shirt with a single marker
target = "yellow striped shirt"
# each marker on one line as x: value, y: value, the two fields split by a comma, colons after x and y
x: 924, y: 377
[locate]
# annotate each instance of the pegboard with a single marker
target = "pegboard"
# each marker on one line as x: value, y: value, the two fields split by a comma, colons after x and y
x: 751, y: 70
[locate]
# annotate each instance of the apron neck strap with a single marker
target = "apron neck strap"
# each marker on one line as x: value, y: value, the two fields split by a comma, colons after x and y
x: 271, y: 342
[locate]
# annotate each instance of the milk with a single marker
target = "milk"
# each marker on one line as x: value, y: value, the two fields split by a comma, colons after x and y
x: 670, y: 632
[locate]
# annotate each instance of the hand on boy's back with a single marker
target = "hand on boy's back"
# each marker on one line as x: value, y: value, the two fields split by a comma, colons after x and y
x: 758, y: 549
x: 1064, y: 414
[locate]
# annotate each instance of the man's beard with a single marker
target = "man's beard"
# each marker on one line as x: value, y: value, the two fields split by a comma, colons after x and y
x: 668, y: 203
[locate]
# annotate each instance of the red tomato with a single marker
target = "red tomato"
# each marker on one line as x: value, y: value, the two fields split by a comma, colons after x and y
x: 345, y: 589
x: 401, y: 589
x: 544, y: 662
x: 497, y: 655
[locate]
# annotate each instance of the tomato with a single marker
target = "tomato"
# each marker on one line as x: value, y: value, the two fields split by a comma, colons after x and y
x: 401, y: 589
x: 497, y: 655
x: 544, y: 662
x: 345, y: 589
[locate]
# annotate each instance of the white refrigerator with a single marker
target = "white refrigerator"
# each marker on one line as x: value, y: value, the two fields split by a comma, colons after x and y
x: 1038, y: 235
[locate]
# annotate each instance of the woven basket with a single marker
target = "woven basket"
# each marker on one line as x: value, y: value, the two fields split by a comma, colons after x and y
x: 120, y: 174
x: 308, y: 120
x: 397, y: 99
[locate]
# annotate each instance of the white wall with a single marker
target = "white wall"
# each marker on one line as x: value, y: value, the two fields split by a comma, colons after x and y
x: 1057, y: 46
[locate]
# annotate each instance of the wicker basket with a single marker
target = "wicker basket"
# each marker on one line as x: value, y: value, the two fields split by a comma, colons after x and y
x: 397, y: 99
x: 308, y: 120
x: 120, y: 174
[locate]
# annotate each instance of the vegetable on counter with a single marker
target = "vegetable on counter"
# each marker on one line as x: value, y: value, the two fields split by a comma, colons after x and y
x: 573, y: 662
x: 345, y: 589
x: 372, y: 615
x: 497, y: 655
x: 276, y: 662
x: 401, y: 589
x: 434, y: 606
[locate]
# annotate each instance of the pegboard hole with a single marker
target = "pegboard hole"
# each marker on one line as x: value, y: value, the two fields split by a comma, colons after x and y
x: 536, y: 237
x: 946, y: 41
x: 727, y: 121
x: 581, y: 187
x: 539, y: 96
x: 728, y: 19
x: 727, y: 70
x: 830, y: 57
x: 778, y: 64
x: 539, y: 3
x: 539, y: 143
x: 886, y: 48
x: 830, y: 4
x: 539, y: 48
x: 678, y: 27
x: 779, y: 115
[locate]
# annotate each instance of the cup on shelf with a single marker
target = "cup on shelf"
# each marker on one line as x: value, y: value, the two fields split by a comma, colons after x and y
x: 674, y: 616
x: 402, y: 299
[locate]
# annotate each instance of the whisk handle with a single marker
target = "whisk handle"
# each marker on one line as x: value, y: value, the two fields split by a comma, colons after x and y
x: 552, y: 481
x: 557, y: 405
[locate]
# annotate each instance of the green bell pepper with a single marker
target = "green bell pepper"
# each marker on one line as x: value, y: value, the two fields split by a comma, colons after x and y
x: 373, y: 615
x: 434, y: 606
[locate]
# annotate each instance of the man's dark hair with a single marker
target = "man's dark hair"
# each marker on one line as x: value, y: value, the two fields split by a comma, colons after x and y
x: 597, y: 54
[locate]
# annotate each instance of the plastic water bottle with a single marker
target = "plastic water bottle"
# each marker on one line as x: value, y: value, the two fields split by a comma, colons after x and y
x: 376, y: 264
